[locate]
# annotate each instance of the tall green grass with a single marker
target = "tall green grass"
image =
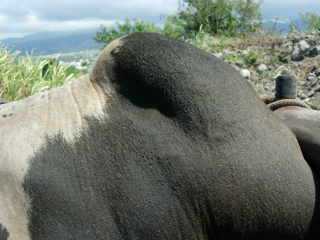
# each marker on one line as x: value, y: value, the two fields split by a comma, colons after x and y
x: 22, y: 76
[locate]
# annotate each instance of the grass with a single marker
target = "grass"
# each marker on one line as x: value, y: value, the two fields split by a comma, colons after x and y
x: 22, y: 76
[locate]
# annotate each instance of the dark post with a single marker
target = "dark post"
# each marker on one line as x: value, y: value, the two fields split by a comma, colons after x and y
x: 286, y: 86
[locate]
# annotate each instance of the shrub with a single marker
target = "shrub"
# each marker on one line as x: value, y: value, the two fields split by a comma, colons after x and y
x: 208, y: 42
x: 226, y: 17
x: 175, y: 27
x: 311, y: 20
x: 251, y: 58
x: 107, y: 34
x: 248, y: 15
x: 212, y: 16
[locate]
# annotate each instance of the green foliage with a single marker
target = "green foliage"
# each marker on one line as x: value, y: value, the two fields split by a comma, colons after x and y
x: 251, y: 58
x: 248, y: 15
x: 312, y: 21
x: 213, y: 17
x: 233, y: 58
x: 175, y: 27
x: 107, y: 34
x: 222, y: 17
x: 24, y: 76
x: 227, y: 17
x: 208, y: 42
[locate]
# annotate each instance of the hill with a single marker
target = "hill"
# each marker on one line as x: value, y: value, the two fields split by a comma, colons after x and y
x: 53, y: 42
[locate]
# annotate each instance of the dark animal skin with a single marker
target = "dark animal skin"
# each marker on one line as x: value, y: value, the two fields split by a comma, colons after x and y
x: 186, y: 150
x: 305, y: 123
x: 4, y: 235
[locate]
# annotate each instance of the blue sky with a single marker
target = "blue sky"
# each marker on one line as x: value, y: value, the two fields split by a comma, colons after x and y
x: 21, y: 17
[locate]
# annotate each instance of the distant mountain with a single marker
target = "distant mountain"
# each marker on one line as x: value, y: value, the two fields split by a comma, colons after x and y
x: 46, y: 43
x: 283, y: 26
x: 53, y: 42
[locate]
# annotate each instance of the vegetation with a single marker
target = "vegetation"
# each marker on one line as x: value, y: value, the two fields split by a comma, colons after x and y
x: 311, y: 20
x: 107, y: 34
x: 213, y: 17
x: 23, y: 76
x: 226, y: 17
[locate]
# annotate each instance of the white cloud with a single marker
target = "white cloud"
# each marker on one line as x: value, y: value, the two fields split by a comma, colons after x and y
x: 27, y: 16
x: 66, y: 9
x: 289, y: 8
x: 19, y: 17
x: 33, y: 24
x: 290, y: 2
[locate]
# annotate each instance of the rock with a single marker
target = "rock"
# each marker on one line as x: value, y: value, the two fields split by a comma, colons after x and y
x: 262, y: 68
x: 304, y: 46
x: 314, y: 83
x: 317, y: 89
x: 302, y: 49
x: 284, y: 57
x: 311, y: 94
x: 297, y: 55
x: 245, y: 73
x: 317, y: 72
x: 312, y: 77
x: 313, y: 52
x: 314, y: 102
x: 218, y: 55
x: 302, y: 96
x: 287, y: 46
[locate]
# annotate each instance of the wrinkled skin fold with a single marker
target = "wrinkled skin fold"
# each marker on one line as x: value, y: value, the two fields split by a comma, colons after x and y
x: 184, y: 149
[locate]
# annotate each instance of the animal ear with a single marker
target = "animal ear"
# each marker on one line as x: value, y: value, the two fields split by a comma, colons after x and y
x: 104, y: 67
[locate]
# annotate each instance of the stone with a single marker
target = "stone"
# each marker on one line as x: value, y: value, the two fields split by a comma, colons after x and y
x: 317, y: 89
x: 284, y: 57
x: 302, y: 96
x: 262, y: 68
x: 311, y: 77
x: 313, y: 52
x: 314, y: 83
x: 287, y: 46
x: 297, y: 54
x: 317, y: 72
x: 218, y: 55
x: 314, y: 102
x: 303, y: 45
x: 245, y: 73
x: 311, y: 94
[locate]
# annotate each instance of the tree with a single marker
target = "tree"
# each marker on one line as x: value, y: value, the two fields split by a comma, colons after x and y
x: 175, y: 27
x: 222, y: 16
x: 249, y: 15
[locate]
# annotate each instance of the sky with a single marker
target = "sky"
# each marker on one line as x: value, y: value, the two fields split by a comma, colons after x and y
x: 22, y: 17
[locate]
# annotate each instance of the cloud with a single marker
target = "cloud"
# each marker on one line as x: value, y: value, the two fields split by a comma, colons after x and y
x: 20, y: 17
x: 28, y: 16
x: 78, y: 9
x: 32, y: 23
x: 289, y: 8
